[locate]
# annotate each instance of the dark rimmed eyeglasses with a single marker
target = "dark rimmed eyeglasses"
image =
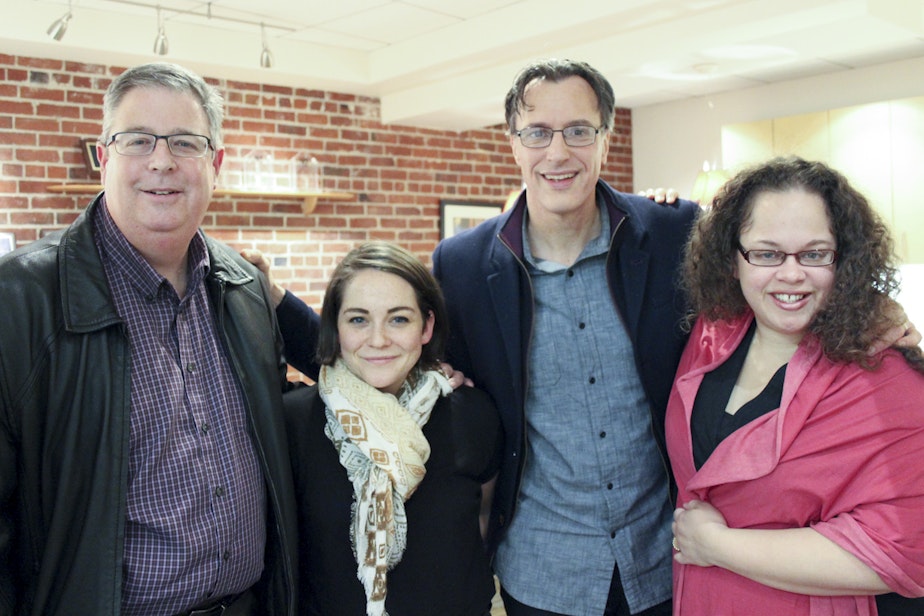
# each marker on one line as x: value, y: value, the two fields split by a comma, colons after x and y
x: 181, y: 145
x: 772, y: 258
x: 575, y: 136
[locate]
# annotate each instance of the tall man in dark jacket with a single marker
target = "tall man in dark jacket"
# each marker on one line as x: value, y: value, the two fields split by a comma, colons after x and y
x: 143, y: 463
x: 565, y: 310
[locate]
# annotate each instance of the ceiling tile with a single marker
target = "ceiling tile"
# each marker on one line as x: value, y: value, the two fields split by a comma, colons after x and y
x: 391, y: 23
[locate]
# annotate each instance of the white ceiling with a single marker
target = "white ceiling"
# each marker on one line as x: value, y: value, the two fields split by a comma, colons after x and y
x: 447, y: 63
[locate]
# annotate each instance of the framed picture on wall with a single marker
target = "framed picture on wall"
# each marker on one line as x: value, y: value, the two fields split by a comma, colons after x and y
x: 89, y: 157
x: 7, y: 242
x: 456, y: 216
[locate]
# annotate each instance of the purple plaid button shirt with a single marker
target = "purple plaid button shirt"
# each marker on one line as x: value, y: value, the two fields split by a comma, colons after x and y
x: 196, y: 522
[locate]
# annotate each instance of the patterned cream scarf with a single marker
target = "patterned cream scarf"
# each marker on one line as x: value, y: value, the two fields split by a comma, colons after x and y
x: 381, y: 445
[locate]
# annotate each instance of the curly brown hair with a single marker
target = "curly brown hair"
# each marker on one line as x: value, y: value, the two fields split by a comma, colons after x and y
x: 865, y: 278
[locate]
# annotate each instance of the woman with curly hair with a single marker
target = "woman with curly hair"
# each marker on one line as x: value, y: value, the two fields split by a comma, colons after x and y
x: 797, y: 454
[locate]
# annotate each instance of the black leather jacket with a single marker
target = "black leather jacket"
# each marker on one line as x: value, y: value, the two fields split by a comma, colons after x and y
x: 64, y: 424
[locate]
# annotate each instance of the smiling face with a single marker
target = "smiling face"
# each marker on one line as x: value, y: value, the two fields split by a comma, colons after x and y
x: 381, y: 329
x: 158, y: 201
x: 560, y: 179
x: 787, y: 297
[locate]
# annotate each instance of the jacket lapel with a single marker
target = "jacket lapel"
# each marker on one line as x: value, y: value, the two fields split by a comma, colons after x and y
x: 85, y: 294
x: 510, y: 290
x: 633, y: 267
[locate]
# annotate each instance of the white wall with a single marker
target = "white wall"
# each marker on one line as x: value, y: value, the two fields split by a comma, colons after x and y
x: 912, y: 294
x: 671, y: 140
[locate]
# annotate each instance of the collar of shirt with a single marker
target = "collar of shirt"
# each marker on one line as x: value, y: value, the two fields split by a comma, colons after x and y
x: 125, y: 258
x: 597, y: 246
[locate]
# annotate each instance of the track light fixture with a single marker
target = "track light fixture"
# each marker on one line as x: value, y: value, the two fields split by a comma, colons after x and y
x: 161, y: 46
x: 266, y: 56
x: 58, y: 27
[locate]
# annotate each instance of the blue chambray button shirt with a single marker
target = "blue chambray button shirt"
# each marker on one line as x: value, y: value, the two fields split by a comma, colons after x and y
x: 594, y: 490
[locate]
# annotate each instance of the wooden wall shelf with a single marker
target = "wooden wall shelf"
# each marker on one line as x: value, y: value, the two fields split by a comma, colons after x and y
x: 309, y: 199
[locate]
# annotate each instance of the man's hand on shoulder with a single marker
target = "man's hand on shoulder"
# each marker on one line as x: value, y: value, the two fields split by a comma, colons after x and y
x: 660, y: 195
x: 903, y: 333
x: 456, y: 378
x: 256, y: 257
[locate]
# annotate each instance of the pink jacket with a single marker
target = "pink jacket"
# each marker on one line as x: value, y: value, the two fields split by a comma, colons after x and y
x: 844, y: 454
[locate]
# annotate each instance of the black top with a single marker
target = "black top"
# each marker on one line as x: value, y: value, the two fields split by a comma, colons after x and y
x: 445, y: 569
x: 709, y: 423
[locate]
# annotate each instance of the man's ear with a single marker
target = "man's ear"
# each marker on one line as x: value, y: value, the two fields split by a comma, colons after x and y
x: 102, y: 155
x: 216, y: 164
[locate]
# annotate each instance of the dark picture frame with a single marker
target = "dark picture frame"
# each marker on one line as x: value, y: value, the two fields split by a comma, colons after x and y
x: 90, y: 160
x: 456, y: 216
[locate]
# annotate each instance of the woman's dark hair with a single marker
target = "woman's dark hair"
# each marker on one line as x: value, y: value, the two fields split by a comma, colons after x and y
x: 390, y: 258
x: 555, y: 70
x: 865, y: 276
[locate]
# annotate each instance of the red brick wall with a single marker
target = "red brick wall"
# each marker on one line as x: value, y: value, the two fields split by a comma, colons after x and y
x: 398, y: 174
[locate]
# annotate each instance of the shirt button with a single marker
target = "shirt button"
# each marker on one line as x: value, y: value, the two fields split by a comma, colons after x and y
x: 609, y: 486
x: 570, y: 273
x: 603, y: 434
x: 205, y: 428
x: 191, y: 367
x: 581, y: 325
x: 219, y: 491
x: 226, y: 555
x: 613, y: 535
x: 592, y: 380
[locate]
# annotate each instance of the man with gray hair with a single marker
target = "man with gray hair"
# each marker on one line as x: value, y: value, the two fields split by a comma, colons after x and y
x: 143, y: 459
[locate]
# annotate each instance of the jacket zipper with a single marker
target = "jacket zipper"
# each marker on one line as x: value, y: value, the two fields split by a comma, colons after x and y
x: 529, y: 342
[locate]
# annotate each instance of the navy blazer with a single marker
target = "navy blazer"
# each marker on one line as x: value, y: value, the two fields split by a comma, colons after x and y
x: 489, y: 298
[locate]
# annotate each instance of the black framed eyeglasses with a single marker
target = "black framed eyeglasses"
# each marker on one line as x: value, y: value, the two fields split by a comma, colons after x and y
x: 773, y: 258
x: 576, y: 136
x: 181, y: 145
